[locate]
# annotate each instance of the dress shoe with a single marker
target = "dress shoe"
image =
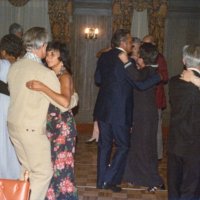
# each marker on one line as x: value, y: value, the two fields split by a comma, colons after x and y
x: 132, y: 184
x: 112, y: 187
x: 155, y: 188
x: 91, y: 140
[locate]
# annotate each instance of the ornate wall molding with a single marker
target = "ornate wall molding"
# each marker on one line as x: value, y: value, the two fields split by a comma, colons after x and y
x: 18, y: 3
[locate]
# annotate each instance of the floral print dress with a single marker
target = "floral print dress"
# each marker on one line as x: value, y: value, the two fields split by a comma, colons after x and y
x: 61, y: 131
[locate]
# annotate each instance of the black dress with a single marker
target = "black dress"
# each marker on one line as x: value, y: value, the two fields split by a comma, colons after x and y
x: 142, y: 164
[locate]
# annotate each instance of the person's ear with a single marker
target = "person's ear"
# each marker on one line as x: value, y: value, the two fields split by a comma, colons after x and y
x: 183, y: 61
x: 3, y: 53
x: 123, y: 44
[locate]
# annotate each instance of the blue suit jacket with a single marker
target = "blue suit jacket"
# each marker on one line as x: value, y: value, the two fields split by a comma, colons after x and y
x: 114, y: 102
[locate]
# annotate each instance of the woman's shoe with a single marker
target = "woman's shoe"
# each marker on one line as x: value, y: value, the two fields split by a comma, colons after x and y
x: 131, y: 184
x: 155, y: 188
x: 91, y: 140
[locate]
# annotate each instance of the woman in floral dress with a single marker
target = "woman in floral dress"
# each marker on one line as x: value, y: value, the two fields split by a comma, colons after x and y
x: 61, y: 128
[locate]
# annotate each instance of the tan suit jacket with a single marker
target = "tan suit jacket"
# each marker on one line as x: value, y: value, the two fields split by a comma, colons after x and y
x: 28, y: 108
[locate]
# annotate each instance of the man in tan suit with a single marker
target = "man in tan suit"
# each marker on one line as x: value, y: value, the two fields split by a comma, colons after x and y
x: 28, y: 112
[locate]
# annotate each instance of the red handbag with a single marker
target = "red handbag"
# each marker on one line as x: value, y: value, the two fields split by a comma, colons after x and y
x: 15, y: 189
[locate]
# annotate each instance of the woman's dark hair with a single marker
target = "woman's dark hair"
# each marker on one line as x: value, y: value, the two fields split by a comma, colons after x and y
x: 12, y: 44
x: 64, y: 53
x: 148, y: 52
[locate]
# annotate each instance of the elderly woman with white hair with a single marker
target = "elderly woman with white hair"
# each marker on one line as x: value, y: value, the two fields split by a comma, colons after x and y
x: 188, y: 75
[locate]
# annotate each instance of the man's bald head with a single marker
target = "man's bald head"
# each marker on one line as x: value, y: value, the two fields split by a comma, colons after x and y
x: 149, y: 39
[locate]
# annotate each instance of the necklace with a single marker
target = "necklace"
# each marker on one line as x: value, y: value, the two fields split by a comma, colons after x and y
x: 61, y: 72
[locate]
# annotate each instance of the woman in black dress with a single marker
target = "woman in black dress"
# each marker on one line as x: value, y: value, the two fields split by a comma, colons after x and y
x: 142, y: 164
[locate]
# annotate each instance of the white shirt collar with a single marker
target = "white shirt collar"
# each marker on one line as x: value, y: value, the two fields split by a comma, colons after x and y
x: 31, y: 56
x: 121, y: 49
x: 194, y: 69
x: 154, y: 66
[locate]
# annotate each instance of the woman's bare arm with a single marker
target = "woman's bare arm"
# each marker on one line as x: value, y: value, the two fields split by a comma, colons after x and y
x: 66, y: 89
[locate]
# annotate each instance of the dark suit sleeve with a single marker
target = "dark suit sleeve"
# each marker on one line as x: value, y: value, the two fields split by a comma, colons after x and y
x: 184, y: 99
x: 133, y: 72
x: 4, y: 88
x: 181, y: 95
x: 141, y: 80
x: 149, y: 82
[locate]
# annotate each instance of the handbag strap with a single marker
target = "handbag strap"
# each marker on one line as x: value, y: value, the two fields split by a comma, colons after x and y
x: 26, y: 175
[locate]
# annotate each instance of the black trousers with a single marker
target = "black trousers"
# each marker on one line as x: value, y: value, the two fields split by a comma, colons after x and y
x: 183, y: 177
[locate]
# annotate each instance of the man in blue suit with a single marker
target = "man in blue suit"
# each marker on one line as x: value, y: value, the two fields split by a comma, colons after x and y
x: 115, y: 75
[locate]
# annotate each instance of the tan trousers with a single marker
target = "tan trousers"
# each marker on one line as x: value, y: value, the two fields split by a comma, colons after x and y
x: 33, y: 150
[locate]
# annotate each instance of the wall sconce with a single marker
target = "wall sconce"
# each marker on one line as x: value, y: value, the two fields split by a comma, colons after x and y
x: 91, y: 33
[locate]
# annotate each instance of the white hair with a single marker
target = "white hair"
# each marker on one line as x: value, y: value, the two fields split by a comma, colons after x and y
x: 35, y: 38
x: 191, y: 56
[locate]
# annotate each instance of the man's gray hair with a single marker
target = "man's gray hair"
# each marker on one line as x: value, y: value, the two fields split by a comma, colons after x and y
x: 35, y: 38
x: 191, y: 55
x: 15, y: 28
x: 136, y: 40
x: 119, y: 36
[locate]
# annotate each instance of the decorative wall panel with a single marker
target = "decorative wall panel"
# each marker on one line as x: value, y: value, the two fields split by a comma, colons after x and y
x: 84, y: 56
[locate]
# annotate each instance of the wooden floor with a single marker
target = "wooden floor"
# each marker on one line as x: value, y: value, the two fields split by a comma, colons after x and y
x: 85, y: 170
